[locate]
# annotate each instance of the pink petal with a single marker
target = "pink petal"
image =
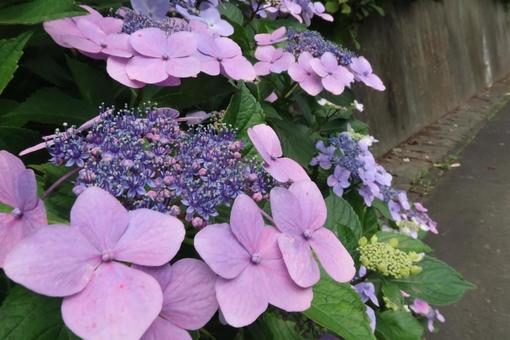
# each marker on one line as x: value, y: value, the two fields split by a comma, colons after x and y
x: 13, y: 230
x: 239, y: 68
x: 151, y: 238
x: 285, y: 169
x: 26, y: 191
x: 111, y: 25
x: 286, y: 211
x: 265, y: 53
x: 374, y: 82
x: 311, y: 204
x: 332, y: 255
x: 266, y: 142
x: 181, y: 44
x: 268, y: 244
x: 170, y: 81
x: 312, y: 85
x: 227, y: 48
x: 116, y: 68
x: 91, y: 31
x: 333, y: 85
x: 219, y: 248
x: 190, y: 298
x: 183, y: 67
x: 243, y: 299
x: 207, y: 45
x: 329, y: 61
x: 55, y: 261
x: 281, y: 291
x: 262, y: 68
x: 118, y: 45
x: 208, y: 65
x: 82, y: 44
x: 360, y: 65
x: 283, y: 63
x: 298, y: 258
x: 318, y: 68
x: 246, y: 222
x: 100, y: 217
x: 58, y: 28
x: 118, y: 303
x: 297, y: 72
x: 162, y: 329
x: 150, y: 42
x: 10, y: 168
x: 146, y: 70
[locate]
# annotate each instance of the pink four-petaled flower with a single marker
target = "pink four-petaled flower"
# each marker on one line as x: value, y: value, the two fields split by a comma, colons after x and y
x: 303, y: 73
x: 84, y: 263
x: 18, y: 189
x: 251, y: 271
x: 334, y: 77
x: 300, y: 213
x: 268, y: 145
x: 272, y: 60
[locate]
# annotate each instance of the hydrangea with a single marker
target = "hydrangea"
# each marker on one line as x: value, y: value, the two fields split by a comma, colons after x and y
x: 252, y: 273
x: 145, y: 46
x: 18, y: 190
x: 85, y: 263
x: 147, y: 160
x: 422, y: 308
x: 352, y: 162
x: 302, y: 10
x: 387, y: 259
x: 320, y: 64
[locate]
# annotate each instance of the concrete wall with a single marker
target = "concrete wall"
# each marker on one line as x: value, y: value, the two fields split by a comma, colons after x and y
x: 432, y: 56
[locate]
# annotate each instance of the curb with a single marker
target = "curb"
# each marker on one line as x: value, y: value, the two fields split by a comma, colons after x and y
x: 417, y: 163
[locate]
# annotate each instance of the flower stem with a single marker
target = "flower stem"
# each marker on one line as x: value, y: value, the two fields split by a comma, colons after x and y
x: 60, y: 181
x: 291, y: 90
x: 267, y: 216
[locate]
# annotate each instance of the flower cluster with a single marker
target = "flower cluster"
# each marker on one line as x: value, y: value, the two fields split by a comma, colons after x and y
x: 387, y: 259
x: 260, y: 265
x: 312, y: 61
x: 302, y: 10
x: 85, y: 263
x: 349, y: 155
x: 422, y: 308
x: 144, y: 46
x: 147, y: 160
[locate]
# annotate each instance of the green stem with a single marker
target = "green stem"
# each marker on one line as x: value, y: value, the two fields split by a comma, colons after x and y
x: 291, y: 90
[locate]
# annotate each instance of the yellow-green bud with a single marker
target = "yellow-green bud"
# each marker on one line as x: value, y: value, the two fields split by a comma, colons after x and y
x: 393, y: 242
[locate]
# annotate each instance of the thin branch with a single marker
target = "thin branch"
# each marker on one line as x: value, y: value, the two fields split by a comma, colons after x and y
x: 60, y: 181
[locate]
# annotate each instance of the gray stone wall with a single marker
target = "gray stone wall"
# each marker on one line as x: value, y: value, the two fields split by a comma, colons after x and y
x: 432, y: 56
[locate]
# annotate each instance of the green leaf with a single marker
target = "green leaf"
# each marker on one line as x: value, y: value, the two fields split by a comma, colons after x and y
x: 405, y: 243
x: 392, y: 292
x: 28, y: 316
x: 438, y: 283
x: 243, y: 111
x: 337, y: 307
x: 7, y: 105
x: 11, y: 51
x: 272, y: 327
x: 341, y: 215
x: 51, y: 106
x: 37, y: 11
x: 232, y: 12
x: 296, y: 141
x: 15, y: 139
x: 398, y: 325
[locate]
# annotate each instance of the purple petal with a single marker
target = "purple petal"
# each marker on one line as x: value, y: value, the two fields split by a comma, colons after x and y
x: 183, y: 67
x: 265, y: 53
x: 100, y: 217
x: 162, y: 329
x: 298, y: 258
x: 151, y: 8
x: 190, y: 298
x: 266, y: 142
x: 333, y: 256
x: 181, y: 44
x: 246, y: 222
x: 118, y: 303
x: 243, y: 299
x: 150, y: 42
x: 262, y: 68
x: 311, y: 204
x: 283, y: 63
x: 333, y: 85
x: 116, y: 68
x: 117, y: 45
x: 55, y: 261
x: 219, y: 248
x: 285, y: 169
x: 239, y: 68
x: 286, y: 211
x: 146, y: 70
x: 26, y: 191
x: 151, y: 239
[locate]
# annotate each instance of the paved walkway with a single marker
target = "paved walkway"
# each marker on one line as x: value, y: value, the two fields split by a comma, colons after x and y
x: 472, y: 205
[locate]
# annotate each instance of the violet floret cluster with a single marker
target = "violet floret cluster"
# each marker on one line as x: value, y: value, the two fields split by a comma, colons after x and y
x: 353, y: 164
x: 313, y: 62
x: 144, y: 158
